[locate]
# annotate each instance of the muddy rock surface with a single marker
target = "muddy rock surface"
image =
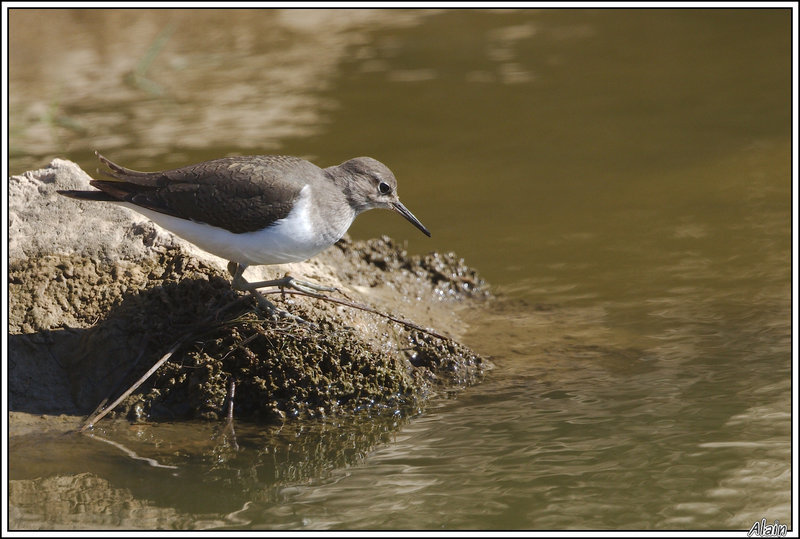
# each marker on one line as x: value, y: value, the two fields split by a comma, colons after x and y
x: 97, y: 294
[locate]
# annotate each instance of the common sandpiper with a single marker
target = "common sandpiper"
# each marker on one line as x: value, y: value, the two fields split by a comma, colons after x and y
x: 254, y: 210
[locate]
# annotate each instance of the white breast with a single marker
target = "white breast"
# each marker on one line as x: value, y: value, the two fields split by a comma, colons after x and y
x: 291, y: 239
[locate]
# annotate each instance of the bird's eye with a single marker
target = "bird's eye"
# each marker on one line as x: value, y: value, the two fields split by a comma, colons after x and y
x: 384, y: 188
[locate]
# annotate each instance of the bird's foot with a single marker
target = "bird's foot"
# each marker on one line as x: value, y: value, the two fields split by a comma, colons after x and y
x: 287, y: 281
x: 267, y: 307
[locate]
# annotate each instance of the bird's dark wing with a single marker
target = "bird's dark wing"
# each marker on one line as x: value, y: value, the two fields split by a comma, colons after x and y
x: 241, y: 194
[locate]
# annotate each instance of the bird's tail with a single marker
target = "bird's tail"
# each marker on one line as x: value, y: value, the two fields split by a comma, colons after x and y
x: 122, y: 183
x: 121, y: 173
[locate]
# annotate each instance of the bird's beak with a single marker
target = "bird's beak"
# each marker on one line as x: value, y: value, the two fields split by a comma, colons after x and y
x: 402, y: 210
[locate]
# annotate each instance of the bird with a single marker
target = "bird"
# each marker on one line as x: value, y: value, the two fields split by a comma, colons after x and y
x: 256, y: 209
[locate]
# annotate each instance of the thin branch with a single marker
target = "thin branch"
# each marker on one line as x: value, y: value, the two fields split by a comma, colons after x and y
x: 228, y: 430
x: 116, y: 387
x: 91, y: 420
x: 362, y: 307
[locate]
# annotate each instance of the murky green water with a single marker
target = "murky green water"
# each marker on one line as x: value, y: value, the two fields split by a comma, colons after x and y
x: 621, y: 177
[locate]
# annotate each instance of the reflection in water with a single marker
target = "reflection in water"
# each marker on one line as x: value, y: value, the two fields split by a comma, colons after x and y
x: 184, y: 463
x: 132, y: 454
x: 621, y: 176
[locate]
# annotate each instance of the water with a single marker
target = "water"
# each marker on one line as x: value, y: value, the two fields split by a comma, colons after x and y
x: 622, y: 179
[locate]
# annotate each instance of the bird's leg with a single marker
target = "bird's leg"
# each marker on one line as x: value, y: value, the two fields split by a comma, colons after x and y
x: 240, y: 283
x: 237, y: 270
x: 287, y: 281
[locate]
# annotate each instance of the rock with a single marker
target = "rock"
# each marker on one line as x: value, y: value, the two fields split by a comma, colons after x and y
x: 98, y: 293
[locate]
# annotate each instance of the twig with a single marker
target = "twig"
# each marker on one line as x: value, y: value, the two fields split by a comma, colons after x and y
x: 362, y: 307
x: 101, y: 412
x: 228, y: 431
x: 134, y: 364
x: 91, y: 420
x: 231, y: 395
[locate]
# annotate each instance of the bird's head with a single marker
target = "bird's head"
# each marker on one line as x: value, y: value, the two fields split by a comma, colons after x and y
x: 370, y: 184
